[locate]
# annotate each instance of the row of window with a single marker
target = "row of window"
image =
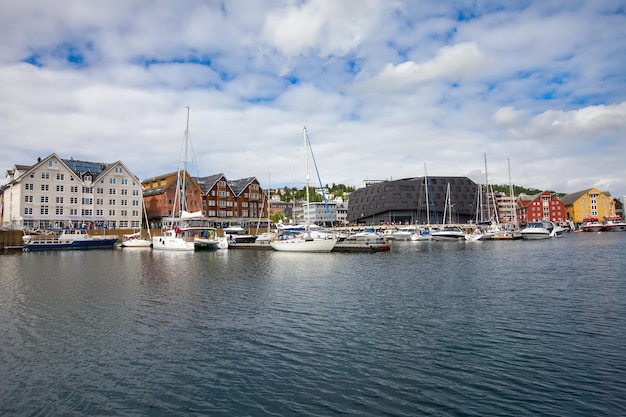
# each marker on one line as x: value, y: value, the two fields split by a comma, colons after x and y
x: 85, y: 190
x: 61, y: 177
x: 60, y: 210
x: 85, y: 201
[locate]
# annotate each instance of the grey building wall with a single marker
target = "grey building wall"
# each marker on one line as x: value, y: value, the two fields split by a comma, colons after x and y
x: 404, y: 201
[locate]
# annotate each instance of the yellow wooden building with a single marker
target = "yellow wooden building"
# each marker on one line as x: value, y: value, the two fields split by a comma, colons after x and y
x: 590, y: 203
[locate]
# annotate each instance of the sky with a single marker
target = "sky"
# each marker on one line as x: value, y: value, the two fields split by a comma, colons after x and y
x: 387, y: 89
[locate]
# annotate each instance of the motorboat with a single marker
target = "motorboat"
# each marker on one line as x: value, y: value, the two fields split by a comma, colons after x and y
x: 541, y: 229
x: 405, y: 233
x: 365, y: 237
x: 614, y: 224
x: 448, y: 233
x: 591, y: 224
x: 237, y: 234
x: 67, y: 239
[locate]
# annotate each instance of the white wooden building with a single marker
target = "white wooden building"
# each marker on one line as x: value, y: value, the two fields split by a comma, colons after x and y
x: 58, y: 192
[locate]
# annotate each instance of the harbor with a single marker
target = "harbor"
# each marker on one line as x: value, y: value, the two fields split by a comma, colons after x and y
x: 431, y: 328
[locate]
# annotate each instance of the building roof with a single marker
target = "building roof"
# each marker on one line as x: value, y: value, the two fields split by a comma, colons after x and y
x: 569, y: 199
x: 207, y: 183
x: 238, y: 186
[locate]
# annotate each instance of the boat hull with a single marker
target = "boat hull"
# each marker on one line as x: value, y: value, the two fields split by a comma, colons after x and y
x: 69, y: 245
x: 304, y: 245
x: 171, y: 244
x: 446, y: 236
x: 136, y: 243
x: 535, y: 235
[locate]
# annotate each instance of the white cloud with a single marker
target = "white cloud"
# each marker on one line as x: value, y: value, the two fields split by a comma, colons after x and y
x: 451, y: 64
x: 384, y: 87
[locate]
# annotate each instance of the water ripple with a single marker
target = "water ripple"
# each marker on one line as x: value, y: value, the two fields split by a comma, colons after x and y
x: 517, y: 328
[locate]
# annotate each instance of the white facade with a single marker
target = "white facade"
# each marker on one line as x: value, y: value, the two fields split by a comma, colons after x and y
x: 52, y: 194
x: 316, y: 213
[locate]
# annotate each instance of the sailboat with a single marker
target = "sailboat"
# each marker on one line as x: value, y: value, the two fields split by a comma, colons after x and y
x: 510, y: 230
x: 486, y: 229
x: 266, y: 237
x: 425, y: 233
x: 448, y: 231
x: 306, y: 241
x: 186, y: 231
x: 135, y: 240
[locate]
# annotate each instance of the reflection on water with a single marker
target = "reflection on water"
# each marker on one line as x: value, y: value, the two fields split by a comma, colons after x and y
x: 459, y: 328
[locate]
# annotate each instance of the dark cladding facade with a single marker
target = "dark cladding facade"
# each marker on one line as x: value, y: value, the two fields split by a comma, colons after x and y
x: 404, y: 201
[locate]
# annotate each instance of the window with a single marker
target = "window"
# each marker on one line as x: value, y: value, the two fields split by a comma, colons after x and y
x: 29, y: 187
x: 112, y: 191
x: 59, y: 188
x: 118, y: 170
x: 124, y: 181
x: 73, y: 212
x: 58, y: 210
x: 124, y: 192
x: 59, y: 200
x: 60, y: 177
x: 73, y: 200
x: 111, y: 180
x: 53, y: 163
x: 99, y: 190
x: 74, y: 188
x: 111, y: 212
x: 86, y: 212
x: 87, y: 201
x: 43, y: 210
x: 99, y: 201
x: 99, y: 212
x: 44, y: 187
x: 124, y: 202
x: 28, y: 198
x: 44, y: 198
x: 87, y: 190
x: 124, y: 213
x: 28, y: 210
x: 111, y: 202
x: 45, y: 176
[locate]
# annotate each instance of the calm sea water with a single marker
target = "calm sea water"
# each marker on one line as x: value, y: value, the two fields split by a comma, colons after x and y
x: 445, y: 329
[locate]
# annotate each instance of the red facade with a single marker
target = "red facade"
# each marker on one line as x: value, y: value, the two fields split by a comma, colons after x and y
x: 540, y: 206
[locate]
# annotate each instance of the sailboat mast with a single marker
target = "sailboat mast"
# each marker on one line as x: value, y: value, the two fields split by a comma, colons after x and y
x: 512, y: 194
x: 183, y: 197
x: 306, y: 166
x: 426, y: 189
x: 487, y: 189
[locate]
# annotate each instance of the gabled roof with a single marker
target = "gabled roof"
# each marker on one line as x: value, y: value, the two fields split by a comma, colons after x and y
x: 160, y: 189
x: 82, y: 168
x: 570, y: 199
x: 207, y: 183
x: 238, y: 186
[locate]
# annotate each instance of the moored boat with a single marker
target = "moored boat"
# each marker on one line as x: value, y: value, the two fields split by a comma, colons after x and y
x: 541, y: 229
x: 134, y: 240
x: 614, y: 224
x: 591, y: 224
x: 307, y: 241
x: 67, y: 239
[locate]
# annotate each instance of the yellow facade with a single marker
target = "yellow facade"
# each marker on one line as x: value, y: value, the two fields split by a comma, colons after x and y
x: 592, y: 203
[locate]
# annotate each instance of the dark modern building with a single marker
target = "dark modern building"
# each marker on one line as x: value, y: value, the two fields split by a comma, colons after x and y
x: 404, y: 201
